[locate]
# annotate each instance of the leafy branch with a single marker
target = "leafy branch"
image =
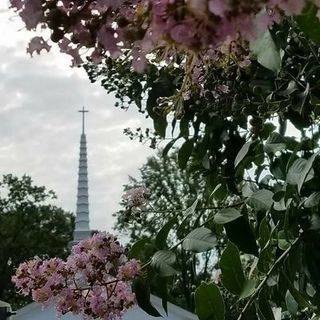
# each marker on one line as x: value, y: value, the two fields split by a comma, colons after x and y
x: 270, y: 272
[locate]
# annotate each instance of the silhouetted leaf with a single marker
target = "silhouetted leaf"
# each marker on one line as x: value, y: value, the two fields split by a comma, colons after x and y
x: 141, y: 289
x: 161, y: 238
x: 209, y: 302
x: 137, y: 248
x: 244, y: 240
x: 306, y: 170
x: 184, y: 153
x: 308, y: 22
x: 233, y: 277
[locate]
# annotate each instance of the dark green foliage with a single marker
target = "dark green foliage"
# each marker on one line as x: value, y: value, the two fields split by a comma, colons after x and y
x: 255, y: 150
x: 29, y: 226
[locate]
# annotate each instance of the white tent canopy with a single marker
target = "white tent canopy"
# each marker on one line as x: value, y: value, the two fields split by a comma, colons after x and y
x: 34, y: 311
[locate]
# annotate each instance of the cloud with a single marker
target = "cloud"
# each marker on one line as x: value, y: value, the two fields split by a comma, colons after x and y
x: 40, y: 127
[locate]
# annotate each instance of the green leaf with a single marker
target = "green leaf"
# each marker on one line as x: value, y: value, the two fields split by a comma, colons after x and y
x: 248, y: 189
x: 274, y: 143
x: 248, y: 289
x: 161, y: 238
x: 280, y: 205
x: 184, y: 153
x: 299, y: 297
x: 226, y: 215
x: 168, y: 146
x: 233, y: 277
x: 264, y: 308
x: 161, y: 290
x: 261, y: 200
x: 137, y: 248
x: 267, y: 254
x: 292, y: 87
x: 141, y: 289
x: 291, y: 303
x: 264, y: 232
x: 162, y: 261
x: 199, y: 240
x: 242, y: 153
x: 309, y: 22
x: 206, y: 161
x: 306, y: 170
x: 266, y: 52
x: 312, y: 201
x: 296, y: 170
x: 209, y: 302
x: 283, y: 242
x: 265, y: 259
x: 244, y: 240
x: 189, y: 211
x: 220, y: 192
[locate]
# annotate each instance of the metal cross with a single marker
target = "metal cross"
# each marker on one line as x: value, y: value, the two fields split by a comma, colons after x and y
x: 83, y: 111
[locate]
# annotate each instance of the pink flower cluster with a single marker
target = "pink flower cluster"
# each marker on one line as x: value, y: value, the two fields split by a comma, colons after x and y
x: 94, y: 282
x: 166, y: 28
x: 136, y: 197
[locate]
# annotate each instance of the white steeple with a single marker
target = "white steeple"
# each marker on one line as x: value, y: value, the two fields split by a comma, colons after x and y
x: 82, y: 228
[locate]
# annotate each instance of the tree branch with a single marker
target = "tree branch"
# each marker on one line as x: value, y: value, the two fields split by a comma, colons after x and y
x: 263, y: 282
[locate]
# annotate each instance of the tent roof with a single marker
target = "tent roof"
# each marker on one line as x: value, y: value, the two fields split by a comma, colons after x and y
x: 35, y: 311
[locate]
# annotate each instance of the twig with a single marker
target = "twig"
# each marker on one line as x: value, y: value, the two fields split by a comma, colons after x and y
x: 262, y: 283
x: 201, y: 225
x: 198, y: 209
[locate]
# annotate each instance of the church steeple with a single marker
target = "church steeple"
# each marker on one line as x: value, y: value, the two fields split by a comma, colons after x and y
x: 82, y: 228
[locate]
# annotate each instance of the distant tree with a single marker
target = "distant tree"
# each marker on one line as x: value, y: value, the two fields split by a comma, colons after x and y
x: 170, y: 190
x: 29, y: 225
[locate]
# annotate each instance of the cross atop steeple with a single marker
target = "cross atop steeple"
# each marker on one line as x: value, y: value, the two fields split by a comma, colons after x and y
x: 83, y: 111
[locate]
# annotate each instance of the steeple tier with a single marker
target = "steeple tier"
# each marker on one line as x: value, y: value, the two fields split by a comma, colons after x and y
x: 82, y: 227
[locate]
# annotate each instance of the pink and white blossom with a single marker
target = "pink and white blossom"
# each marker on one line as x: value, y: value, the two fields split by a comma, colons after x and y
x: 94, y: 281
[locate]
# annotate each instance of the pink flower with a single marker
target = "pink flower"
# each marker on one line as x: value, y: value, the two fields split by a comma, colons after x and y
x: 129, y: 271
x: 94, y: 282
x: 290, y: 7
x: 31, y: 13
x: 219, y: 7
x: 106, y: 37
x: 139, y: 61
x: 184, y: 33
x: 136, y: 197
x: 16, y: 4
x: 223, y: 88
x: 37, y: 44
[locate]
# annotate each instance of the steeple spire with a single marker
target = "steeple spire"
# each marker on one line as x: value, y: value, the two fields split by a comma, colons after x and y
x: 82, y: 228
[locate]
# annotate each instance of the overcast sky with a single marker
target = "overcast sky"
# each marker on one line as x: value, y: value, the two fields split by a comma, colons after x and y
x: 40, y: 126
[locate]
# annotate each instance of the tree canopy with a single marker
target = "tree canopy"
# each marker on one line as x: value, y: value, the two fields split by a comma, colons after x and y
x: 29, y: 226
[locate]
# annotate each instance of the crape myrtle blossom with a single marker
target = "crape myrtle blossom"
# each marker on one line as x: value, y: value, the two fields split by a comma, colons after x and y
x: 136, y: 197
x: 94, y: 281
x: 165, y: 28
